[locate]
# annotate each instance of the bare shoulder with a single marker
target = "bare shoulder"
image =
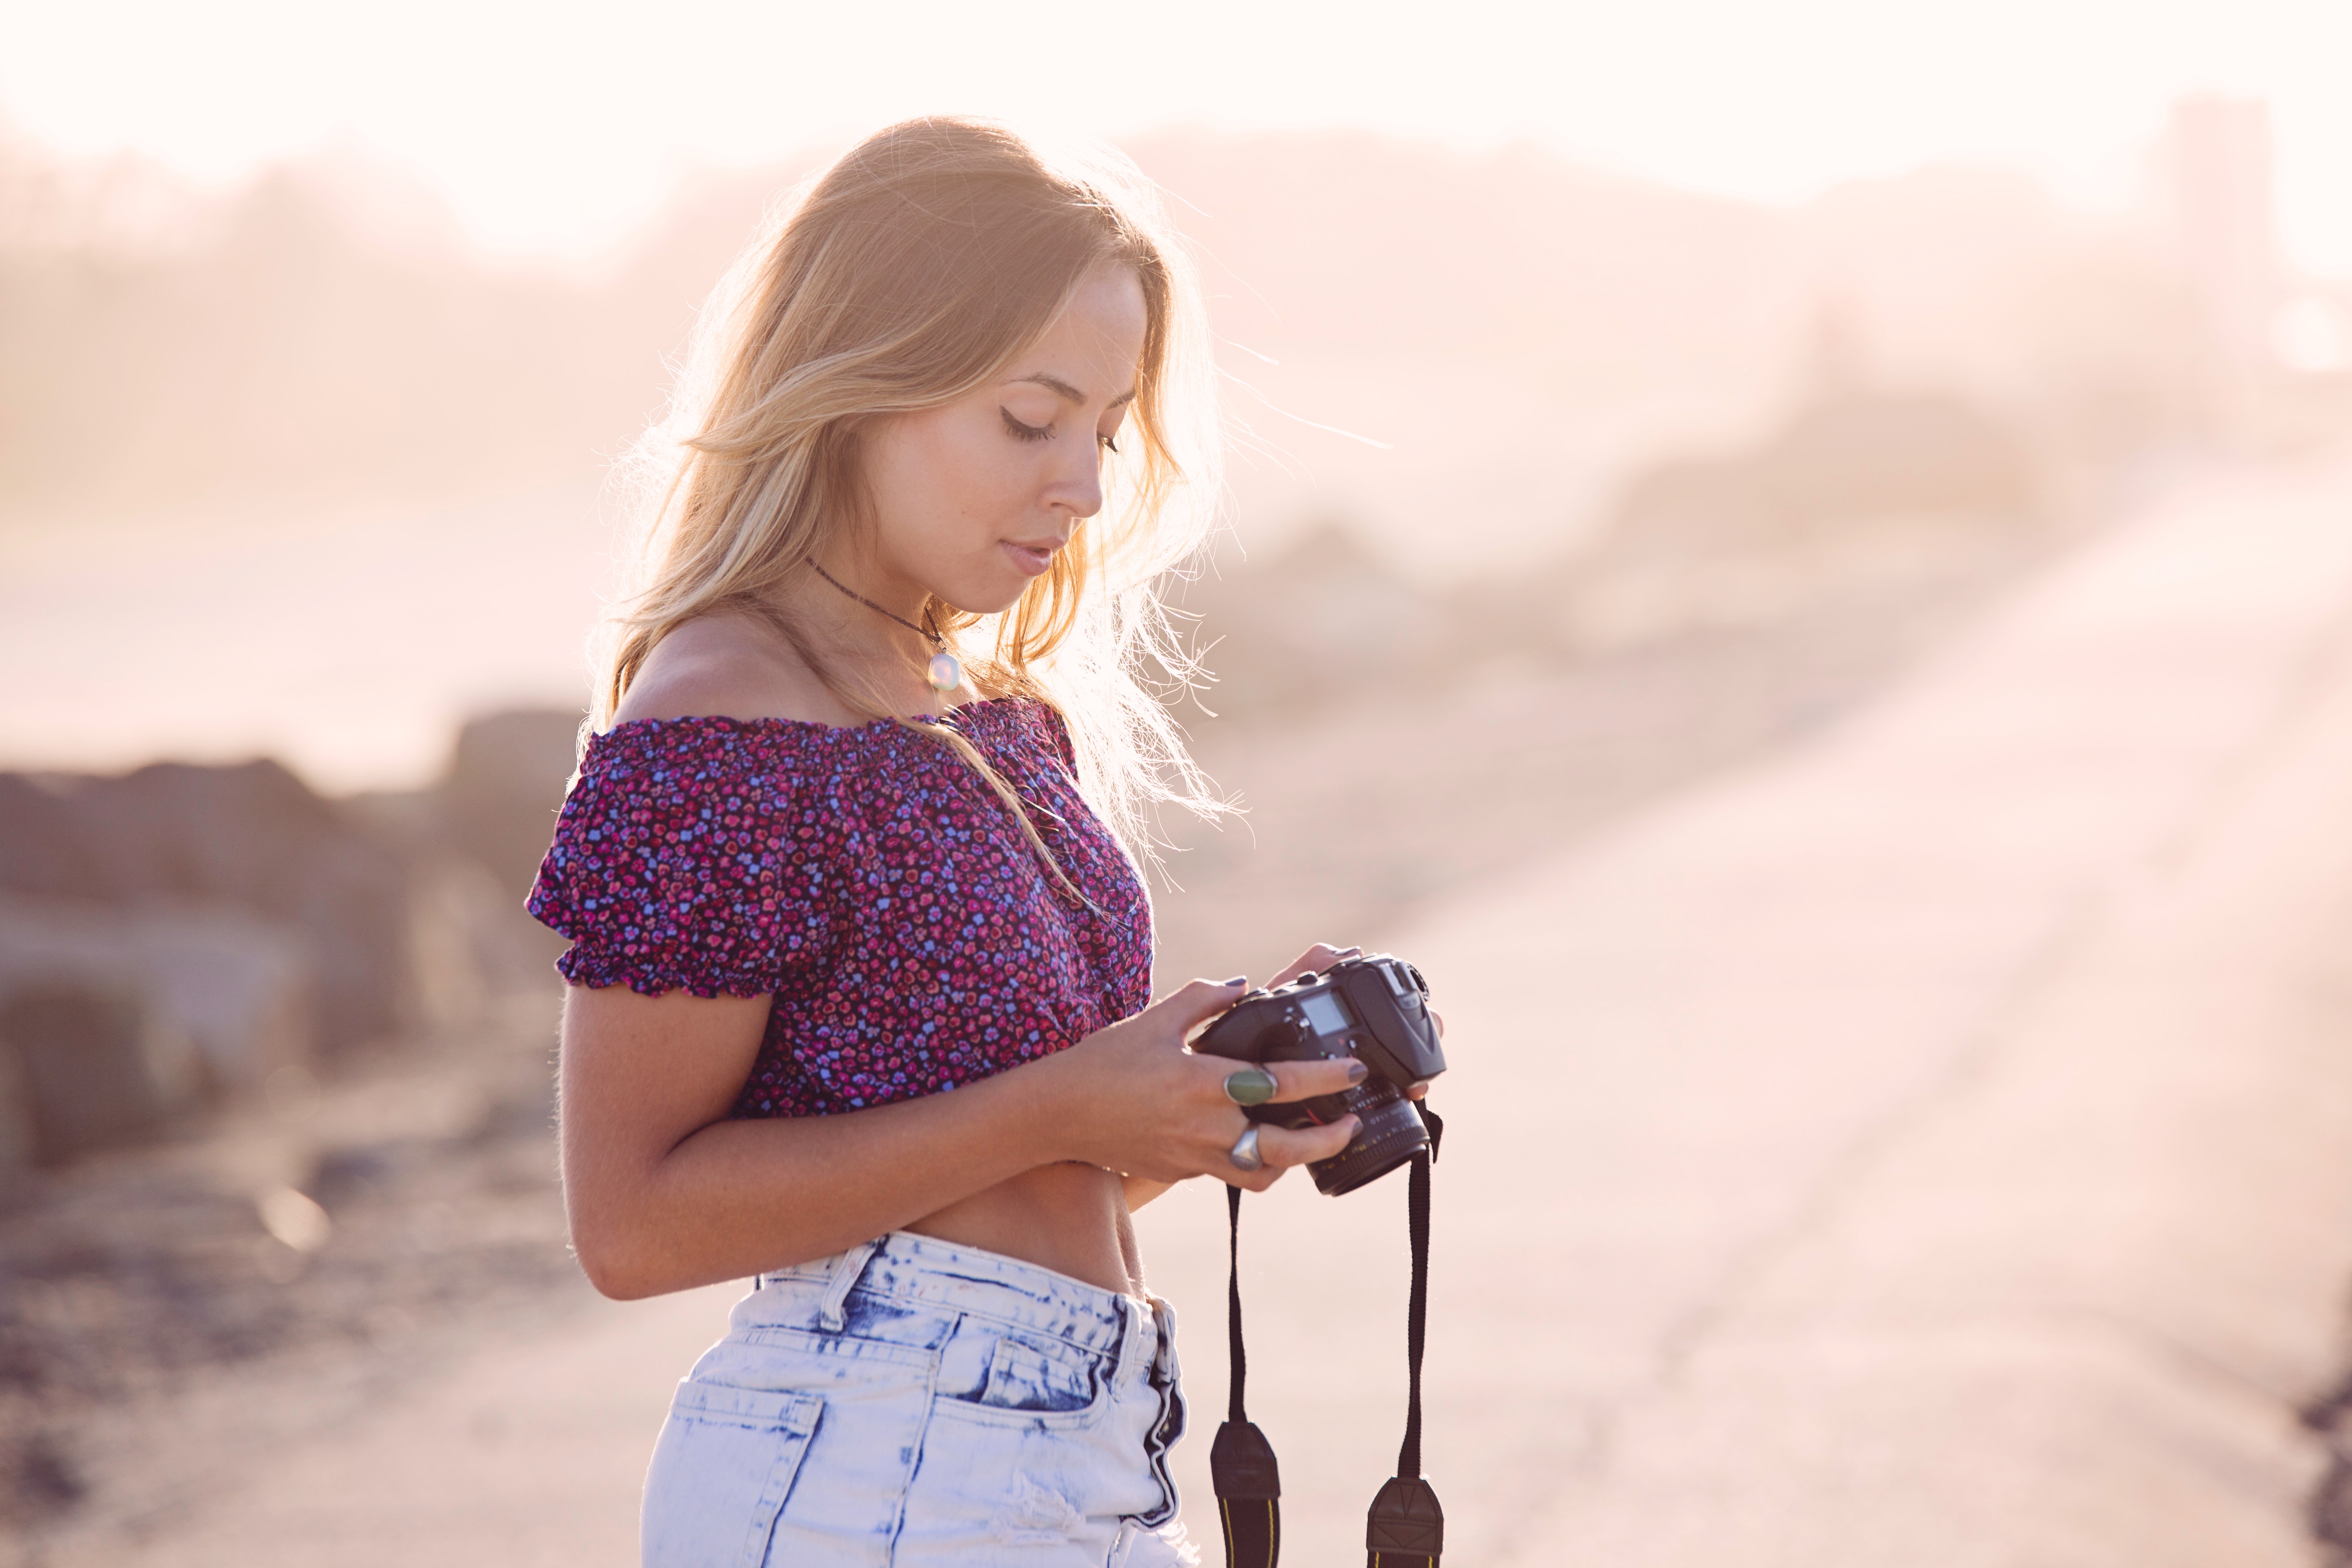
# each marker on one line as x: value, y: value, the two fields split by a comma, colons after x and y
x: 727, y: 667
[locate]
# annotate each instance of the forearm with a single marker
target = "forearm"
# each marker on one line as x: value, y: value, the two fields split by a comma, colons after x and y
x: 1139, y: 1191
x: 738, y: 1197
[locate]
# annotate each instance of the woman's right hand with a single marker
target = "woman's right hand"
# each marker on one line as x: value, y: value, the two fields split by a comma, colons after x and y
x: 1136, y: 1101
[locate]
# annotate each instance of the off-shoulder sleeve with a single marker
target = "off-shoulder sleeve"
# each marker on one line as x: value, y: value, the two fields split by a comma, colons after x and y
x: 1056, y: 729
x: 688, y: 858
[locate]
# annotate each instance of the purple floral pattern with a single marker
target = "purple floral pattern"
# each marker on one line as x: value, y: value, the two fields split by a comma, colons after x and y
x: 862, y: 878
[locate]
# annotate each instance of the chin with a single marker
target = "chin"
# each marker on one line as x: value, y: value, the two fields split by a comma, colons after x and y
x: 994, y: 599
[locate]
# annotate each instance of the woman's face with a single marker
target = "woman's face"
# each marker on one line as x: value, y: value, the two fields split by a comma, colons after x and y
x: 971, y: 500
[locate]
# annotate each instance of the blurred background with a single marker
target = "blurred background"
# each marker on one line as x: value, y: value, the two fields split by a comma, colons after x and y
x: 1795, y: 438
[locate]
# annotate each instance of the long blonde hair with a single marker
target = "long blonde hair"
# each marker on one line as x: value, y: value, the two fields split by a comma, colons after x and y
x: 907, y: 276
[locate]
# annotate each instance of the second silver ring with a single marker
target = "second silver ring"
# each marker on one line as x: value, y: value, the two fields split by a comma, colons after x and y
x: 1244, y: 1154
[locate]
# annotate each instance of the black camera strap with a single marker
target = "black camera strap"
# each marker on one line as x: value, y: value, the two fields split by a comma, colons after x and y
x: 1241, y: 1461
x: 1405, y: 1528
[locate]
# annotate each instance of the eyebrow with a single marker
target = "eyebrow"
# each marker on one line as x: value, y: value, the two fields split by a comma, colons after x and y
x: 1071, y: 394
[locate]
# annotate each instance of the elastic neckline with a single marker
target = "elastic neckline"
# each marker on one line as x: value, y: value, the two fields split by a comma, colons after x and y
x: 725, y: 722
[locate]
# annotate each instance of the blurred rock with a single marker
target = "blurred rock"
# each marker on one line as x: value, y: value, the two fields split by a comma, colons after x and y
x: 230, y: 869
x: 1324, y: 618
x: 1859, y: 492
x: 18, y: 1149
x: 1839, y: 464
x: 41, y: 847
x: 506, y: 781
x: 1861, y: 496
x: 237, y: 987
x: 86, y: 1067
x: 479, y: 835
x: 257, y: 837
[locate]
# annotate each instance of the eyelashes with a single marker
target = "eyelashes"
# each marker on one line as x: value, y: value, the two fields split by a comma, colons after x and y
x: 1020, y: 432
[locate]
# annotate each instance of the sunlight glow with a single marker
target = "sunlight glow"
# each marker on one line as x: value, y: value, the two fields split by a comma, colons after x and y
x: 556, y: 130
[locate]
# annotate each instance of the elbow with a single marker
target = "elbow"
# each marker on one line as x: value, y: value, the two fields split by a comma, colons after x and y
x: 613, y: 1280
x: 618, y: 1266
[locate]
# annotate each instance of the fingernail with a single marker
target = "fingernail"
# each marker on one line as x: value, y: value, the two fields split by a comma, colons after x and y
x: 1238, y: 979
x: 1351, y: 952
x: 1358, y: 1072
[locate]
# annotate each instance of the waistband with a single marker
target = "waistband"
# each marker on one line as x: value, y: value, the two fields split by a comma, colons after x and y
x: 951, y: 1276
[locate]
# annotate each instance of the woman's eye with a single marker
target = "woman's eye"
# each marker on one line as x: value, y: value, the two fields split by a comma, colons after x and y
x: 1025, y: 432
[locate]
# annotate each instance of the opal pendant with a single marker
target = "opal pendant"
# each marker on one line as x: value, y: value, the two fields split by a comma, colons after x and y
x: 946, y: 672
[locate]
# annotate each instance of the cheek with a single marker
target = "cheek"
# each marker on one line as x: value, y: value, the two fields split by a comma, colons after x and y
x: 947, y: 484
x: 912, y: 474
x: 972, y: 477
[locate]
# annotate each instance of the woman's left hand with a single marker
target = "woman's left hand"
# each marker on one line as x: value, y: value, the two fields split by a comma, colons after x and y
x: 1322, y: 956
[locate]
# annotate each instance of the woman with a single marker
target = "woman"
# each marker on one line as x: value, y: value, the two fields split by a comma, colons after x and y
x: 859, y: 963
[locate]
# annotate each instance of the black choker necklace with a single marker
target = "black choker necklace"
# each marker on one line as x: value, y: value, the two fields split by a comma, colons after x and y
x: 946, y: 670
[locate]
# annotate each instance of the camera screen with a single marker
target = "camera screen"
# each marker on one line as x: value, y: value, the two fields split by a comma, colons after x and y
x: 1324, y: 1013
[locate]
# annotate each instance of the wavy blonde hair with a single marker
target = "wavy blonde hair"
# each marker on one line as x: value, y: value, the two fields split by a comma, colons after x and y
x: 905, y: 277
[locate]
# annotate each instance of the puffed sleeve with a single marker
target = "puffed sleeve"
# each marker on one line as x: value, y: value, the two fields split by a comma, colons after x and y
x: 1050, y: 720
x: 690, y: 855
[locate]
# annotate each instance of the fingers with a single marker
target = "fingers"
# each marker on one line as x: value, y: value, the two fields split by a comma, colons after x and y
x: 1283, y: 1147
x: 1319, y: 958
x: 1198, y: 1003
x: 1305, y: 1080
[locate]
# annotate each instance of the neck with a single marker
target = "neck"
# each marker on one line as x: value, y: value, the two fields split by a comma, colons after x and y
x: 864, y: 641
x: 921, y: 629
x: 857, y: 576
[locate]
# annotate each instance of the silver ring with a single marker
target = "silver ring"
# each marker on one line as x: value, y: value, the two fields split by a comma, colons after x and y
x: 1250, y: 1086
x: 1244, y: 1154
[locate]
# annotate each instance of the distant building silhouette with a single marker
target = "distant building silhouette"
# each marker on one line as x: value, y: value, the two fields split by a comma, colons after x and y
x: 2225, y: 223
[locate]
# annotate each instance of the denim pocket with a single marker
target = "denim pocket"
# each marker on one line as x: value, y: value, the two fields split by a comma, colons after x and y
x: 986, y: 1368
x: 1023, y: 1377
x: 722, y: 1472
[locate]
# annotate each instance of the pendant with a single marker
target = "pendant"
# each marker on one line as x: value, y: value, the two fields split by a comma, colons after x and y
x: 946, y: 671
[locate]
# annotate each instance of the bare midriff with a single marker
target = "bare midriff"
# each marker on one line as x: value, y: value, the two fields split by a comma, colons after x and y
x: 1070, y: 1218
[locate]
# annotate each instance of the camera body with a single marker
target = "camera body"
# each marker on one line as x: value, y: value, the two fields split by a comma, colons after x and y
x: 1374, y: 1008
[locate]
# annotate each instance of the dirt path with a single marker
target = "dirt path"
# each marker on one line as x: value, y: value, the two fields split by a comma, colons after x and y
x: 1931, y: 1147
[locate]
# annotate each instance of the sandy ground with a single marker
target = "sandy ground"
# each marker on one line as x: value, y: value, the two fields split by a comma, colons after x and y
x: 1930, y: 1143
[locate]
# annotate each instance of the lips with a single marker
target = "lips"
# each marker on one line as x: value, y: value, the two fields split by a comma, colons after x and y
x: 1034, y: 557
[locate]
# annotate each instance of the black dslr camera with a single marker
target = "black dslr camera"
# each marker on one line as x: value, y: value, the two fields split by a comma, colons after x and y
x: 1375, y: 1009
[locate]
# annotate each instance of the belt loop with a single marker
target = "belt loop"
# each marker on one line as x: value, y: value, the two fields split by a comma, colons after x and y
x: 846, y: 1269
x: 1163, y: 1333
x: 1130, y: 1341
x: 1142, y: 1347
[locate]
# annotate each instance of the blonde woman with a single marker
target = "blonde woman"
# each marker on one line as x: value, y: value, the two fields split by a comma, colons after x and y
x: 861, y: 962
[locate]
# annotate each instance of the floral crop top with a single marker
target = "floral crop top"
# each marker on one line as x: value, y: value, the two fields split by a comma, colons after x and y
x: 864, y: 879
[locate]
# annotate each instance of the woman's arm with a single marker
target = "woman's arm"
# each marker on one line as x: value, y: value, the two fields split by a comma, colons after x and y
x: 665, y: 1192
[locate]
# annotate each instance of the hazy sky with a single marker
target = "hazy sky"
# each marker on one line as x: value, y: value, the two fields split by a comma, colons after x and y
x: 552, y: 128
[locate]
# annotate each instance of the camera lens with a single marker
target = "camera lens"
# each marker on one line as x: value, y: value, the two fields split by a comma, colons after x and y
x: 1390, y: 1134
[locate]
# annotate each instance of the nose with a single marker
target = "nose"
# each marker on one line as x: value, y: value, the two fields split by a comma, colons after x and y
x: 1074, y: 487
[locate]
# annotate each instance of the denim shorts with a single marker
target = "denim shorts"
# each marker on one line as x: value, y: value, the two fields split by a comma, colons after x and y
x: 914, y: 1402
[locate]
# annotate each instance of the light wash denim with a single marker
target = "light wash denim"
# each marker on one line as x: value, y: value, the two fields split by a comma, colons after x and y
x: 914, y: 1403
